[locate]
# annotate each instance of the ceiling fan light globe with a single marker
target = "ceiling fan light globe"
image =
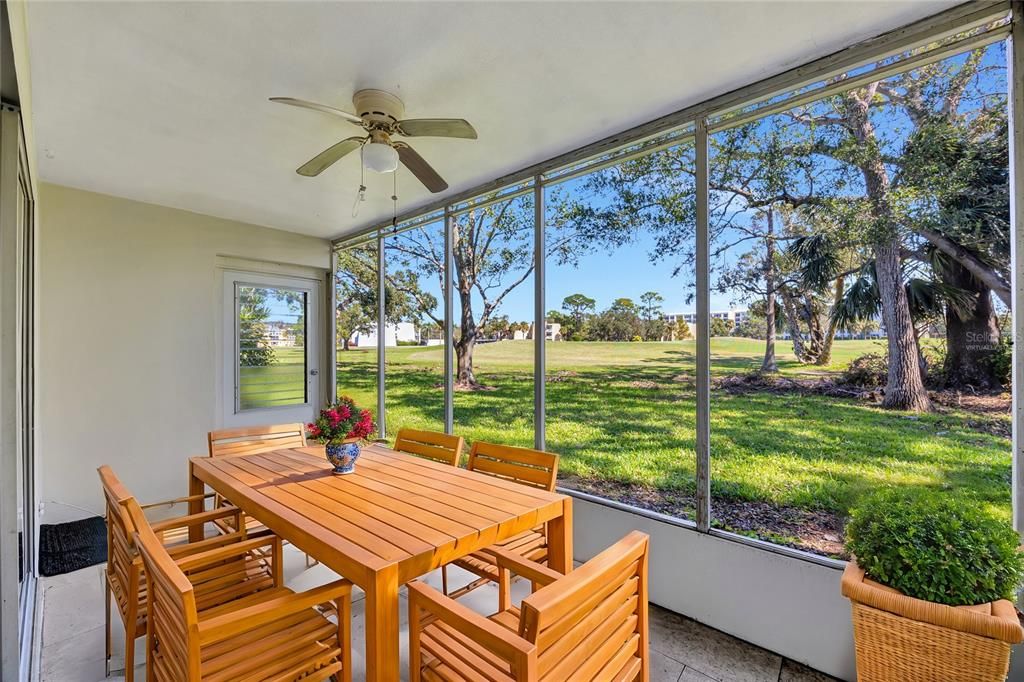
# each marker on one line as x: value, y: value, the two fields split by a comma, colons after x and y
x: 380, y: 157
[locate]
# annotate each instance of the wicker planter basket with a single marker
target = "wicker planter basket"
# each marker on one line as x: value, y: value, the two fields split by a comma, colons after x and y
x: 902, y: 639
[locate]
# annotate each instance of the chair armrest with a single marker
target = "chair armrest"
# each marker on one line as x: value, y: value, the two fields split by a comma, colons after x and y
x: 251, y: 617
x: 195, y: 519
x: 531, y: 570
x: 177, y: 500
x: 211, y: 556
x: 211, y: 542
x: 498, y: 640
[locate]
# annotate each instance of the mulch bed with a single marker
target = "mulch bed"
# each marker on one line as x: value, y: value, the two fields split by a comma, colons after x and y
x: 820, y: 532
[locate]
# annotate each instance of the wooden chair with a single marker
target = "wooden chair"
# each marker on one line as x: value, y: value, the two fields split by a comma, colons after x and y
x: 588, y: 625
x: 250, y: 440
x: 534, y: 468
x: 125, y: 579
x: 274, y: 634
x: 439, y: 447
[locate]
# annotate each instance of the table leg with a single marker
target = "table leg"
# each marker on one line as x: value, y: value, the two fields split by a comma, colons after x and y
x: 382, y: 626
x: 560, y: 539
x: 195, y: 487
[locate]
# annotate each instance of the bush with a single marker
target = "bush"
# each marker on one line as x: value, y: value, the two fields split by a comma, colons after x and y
x: 869, y: 371
x: 1002, y: 359
x: 935, y: 547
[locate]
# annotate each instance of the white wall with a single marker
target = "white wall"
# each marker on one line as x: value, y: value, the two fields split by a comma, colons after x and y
x: 128, y: 332
x: 790, y: 606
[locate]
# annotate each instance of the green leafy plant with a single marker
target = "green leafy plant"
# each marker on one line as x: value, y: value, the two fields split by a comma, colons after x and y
x: 935, y: 547
x: 868, y: 371
x: 1002, y: 359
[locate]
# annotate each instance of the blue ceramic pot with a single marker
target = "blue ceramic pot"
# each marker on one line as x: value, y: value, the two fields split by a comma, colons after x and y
x: 343, y: 457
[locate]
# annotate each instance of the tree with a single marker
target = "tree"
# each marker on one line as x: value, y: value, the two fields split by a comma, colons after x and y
x: 843, y: 159
x: 650, y: 307
x: 356, y: 289
x: 496, y: 328
x: 966, y: 167
x: 720, y: 327
x: 865, y: 328
x: 493, y: 255
x: 355, y: 281
x: 578, y: 308
x: 756, y: 275
x: 253, y: 348
x: 682, y: 330
x: 620, y: 322
x: 754, y: 324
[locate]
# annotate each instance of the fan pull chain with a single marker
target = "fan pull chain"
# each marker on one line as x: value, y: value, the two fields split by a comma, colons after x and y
x: 394, y: 199
x: 361, y: 194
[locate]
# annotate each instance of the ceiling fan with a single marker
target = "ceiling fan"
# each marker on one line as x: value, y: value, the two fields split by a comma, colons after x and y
x: 380, y: 114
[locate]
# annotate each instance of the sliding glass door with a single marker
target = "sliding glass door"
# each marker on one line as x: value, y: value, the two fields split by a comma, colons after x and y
x: 17, y: 505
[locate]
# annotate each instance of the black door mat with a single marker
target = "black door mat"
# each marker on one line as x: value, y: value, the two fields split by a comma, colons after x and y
x: 66, y: 547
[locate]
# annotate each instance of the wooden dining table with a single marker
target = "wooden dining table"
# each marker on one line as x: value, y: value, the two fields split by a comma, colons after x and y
x: 396, y: 518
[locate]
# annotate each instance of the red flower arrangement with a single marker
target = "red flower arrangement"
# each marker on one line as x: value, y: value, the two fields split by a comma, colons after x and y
x: 340, y: 422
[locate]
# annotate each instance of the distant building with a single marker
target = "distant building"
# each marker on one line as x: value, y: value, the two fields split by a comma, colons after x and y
x: 280, y: 334
x: 552, y: 331
x: 393, y: 333
x: 733, y: 316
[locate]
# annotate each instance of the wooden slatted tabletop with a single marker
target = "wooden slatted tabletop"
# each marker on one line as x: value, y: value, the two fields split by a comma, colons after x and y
x: 396, y: 518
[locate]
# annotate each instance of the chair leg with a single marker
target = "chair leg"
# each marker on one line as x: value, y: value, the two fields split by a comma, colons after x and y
x: 129, y: 655
x: 444, y: 579
x: 106, y: 612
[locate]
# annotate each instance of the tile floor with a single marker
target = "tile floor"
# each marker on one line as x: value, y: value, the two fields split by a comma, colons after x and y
x: 70, y: 631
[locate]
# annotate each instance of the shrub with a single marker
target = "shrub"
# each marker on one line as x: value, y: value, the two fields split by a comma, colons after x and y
x: 935, y: 547
x: 869, y: 371
x: 1002, y: 359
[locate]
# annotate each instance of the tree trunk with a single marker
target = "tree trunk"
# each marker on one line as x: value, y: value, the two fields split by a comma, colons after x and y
x: 815, y: 334
x: 970, y: 342
x: 465, y: 377
x: 344, y: 343
x: 792, y: 322
x: 769, y: 365
x: 464, y: 363
x: 905, y: 388
x: 825, y: 357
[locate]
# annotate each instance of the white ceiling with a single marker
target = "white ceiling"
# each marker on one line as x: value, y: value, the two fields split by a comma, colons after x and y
x: 167, y: 102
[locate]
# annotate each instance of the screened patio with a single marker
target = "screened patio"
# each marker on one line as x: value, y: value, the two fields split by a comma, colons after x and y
x: 657, y: 257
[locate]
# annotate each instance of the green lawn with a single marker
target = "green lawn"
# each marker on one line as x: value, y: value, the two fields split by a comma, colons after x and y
x: 622, y: 416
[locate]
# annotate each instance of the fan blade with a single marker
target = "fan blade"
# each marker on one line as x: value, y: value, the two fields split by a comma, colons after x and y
x: 420, y: 168
x: 351, y: 118
x: 437, y: 127
x: 319, y: 163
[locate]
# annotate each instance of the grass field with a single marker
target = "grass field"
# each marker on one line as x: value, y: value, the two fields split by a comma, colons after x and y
x: 622, y: 416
